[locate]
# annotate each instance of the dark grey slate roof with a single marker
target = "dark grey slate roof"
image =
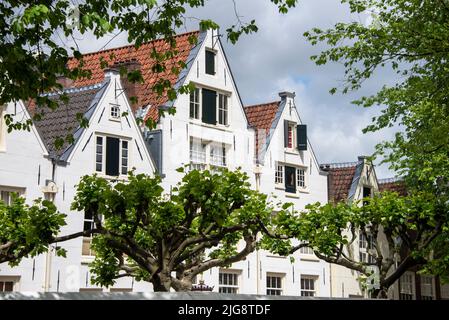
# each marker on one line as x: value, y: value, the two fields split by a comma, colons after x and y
x: 63, y: 121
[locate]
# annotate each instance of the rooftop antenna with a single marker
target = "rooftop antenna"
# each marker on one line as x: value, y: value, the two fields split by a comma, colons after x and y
x: 218, y: 35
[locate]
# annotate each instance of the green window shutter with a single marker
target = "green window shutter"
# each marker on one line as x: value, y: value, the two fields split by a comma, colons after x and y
x: 112, y: 156
x: 210, y: 62
x: 290, y: 179
x: 301, y: 136
x: 209, y: 110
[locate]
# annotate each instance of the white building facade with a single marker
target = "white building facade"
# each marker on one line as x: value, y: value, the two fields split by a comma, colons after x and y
x: 211, y: 128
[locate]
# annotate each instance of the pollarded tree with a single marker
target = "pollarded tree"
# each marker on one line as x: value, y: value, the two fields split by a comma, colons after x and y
x: 149, y: 235
x: 399, y: 233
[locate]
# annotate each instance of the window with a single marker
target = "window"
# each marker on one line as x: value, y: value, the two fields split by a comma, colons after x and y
x: 99, y: 155
x: 365, y: 245
x: 306, y: 250
x: 115, y: 111
x: 301, y: 178
x: 366, y: 194
x: 427, y: 288
x: 290, y: 179
x: 195, y: 104
x: 290, y: 137
x: 274, y: 285
x: 6, y: 194
x: 6, y: 286
x: 197, y: 155
x: 308, y: 286
x: 218, y: 155
x: 223, y: 109
x: 406, y: 283
x: 87, y: 241
x: 228, y: 282
x: 210, y: 62
x: 2, y: 128
x: 279, y: 174
x: 124, y: 157
x: 111, y: 156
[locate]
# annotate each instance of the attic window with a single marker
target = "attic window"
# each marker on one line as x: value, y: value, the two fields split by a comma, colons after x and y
x: 115, y: 111
x: 112, y: 156
x: 210, y: 62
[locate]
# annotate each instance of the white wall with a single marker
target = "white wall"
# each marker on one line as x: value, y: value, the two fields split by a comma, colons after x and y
x: 23, y: 167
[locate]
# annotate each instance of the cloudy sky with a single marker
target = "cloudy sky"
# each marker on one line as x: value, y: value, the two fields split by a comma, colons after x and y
x: 277, y: 58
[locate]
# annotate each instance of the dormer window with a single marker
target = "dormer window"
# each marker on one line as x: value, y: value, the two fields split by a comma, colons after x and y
x: 210, y: 62
x: 115, y: 112
x: 295, y: 136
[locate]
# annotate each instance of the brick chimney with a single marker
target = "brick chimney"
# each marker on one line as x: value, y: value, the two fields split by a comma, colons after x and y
x: 64, y: 81
x: 131, y: 88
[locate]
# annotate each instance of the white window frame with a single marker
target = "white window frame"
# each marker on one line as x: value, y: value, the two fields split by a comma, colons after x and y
x: 196, y: 103
x: 197, y: 156
x: 407, y: 286
x: 223, y: 108
x: 218, y: 159
x: 114, y: 112
x: 103, y: 155
x: 279, y: 174
x: 365, y: 245
x: 305, y: 282
x: 7, y: 191
x: 9, y: 279
x: 427, y: 284
x: 306, y: 251
x: 230, y: 288
x: 301, y: 184
x: 274, y: 290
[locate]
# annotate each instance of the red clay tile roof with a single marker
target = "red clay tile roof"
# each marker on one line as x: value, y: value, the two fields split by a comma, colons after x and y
x: 393, y: 186
x: 340, y: 180
x: 261, y: 117
x: 145, y: 95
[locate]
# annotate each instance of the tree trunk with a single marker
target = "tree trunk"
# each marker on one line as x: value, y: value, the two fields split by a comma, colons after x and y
x: 161, y: 283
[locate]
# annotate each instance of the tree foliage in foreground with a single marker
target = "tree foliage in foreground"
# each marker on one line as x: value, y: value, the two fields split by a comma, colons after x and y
x: 403, y: 232
x: 410, y: 38
x: 209, y: 220
x: 26, y: 231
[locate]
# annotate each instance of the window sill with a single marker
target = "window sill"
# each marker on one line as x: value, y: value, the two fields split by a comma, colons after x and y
x: 291, y: 151
x: 115, y: 119
x: 279, y: 187
x: 306, y: 191
x: 292, y: 195
x: 212, y: 126
x: 308, y: 258
x: 87, y: 259
x: 276, y: 257
x: 112, y: 178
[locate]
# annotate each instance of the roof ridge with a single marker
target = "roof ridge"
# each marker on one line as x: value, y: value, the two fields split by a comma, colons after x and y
x: 339, y: 165
x: 390, y: 180
x: 74, y: 89
x: 262, y: 104
x: 132, y: 45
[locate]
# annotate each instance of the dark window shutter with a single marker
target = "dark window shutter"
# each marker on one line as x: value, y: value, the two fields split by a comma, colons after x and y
x: 210, y: 62
x: 209, y: 111
x: 286, y: 133
x: 301, y: 136
x: 290, y: 179
x: 112, y: 156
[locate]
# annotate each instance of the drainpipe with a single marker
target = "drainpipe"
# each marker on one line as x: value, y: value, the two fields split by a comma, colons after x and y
x: 49, y: 256
x: 257, y: 173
